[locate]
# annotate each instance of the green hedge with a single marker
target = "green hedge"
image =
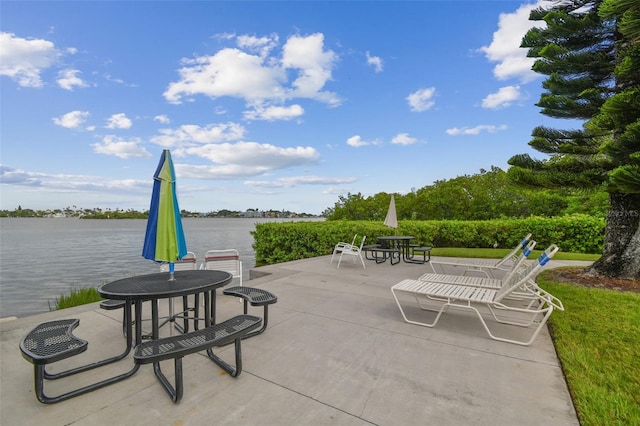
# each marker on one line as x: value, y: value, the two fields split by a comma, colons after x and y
x: 276, y: 242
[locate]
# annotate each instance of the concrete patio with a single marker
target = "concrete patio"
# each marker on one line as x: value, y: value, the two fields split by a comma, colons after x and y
x: 336, y: 352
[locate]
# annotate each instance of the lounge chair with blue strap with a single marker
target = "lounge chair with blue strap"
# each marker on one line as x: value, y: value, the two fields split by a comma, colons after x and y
x: 486, y: 282
x: 427, y: 294
x: 486, y: 267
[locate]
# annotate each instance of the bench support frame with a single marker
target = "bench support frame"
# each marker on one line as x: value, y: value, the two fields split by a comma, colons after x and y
x: 177, y: 347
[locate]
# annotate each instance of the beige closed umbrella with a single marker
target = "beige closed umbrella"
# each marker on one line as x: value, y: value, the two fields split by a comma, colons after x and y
x: 391, y: 220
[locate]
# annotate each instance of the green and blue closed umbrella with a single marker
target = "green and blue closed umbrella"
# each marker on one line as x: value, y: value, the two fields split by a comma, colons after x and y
x: 164, y: 240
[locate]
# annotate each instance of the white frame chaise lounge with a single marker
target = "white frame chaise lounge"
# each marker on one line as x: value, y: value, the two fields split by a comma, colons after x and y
x: 471, y: 298
x: 486, y: 267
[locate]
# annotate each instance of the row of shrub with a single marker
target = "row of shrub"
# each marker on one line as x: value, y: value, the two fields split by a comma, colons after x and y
x: 276, y: 242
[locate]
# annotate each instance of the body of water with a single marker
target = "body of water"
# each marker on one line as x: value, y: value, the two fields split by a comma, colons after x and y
x: 42, y: 259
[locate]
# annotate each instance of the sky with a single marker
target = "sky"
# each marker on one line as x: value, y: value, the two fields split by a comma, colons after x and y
x: 263, y: 105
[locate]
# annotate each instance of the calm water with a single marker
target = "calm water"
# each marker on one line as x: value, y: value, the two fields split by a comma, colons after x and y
x: 41, y: 259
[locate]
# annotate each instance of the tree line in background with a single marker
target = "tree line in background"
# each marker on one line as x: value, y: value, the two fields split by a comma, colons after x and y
x: 98, y: 213
x: 484, y: 196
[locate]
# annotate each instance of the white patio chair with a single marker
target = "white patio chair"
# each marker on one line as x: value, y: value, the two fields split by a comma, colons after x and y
x: 187, y: 263
x: 341, y: 246
x: 486, y: 267
x: 468, y: 297
x: 227, y: 260
x: 354, y: 251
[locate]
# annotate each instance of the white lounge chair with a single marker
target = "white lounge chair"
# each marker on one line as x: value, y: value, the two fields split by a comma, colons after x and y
x: 485, y: 267
x: 354, y: 251
x: 471, y: 298
x: 341, y: 246
x: 482, y: 281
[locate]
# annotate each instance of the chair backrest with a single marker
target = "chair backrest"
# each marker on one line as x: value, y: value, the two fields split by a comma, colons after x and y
x: 364, y: 237
x: 517, y: 279
x: 227, y: 260
x: 513, y: 255
x: 187, y: 263
x: 519, y: 263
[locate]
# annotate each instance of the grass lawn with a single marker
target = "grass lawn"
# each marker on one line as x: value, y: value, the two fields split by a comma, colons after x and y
x: 597, y: 339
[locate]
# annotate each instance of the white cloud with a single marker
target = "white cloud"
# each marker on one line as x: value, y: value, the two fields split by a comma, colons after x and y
x: 253, y: 154
x: 504, y: 97
x: 162, y: 119
x: 403, y: 139
x: 262, y: 45
x: 69, y: 183
x: 71, y: 120
x: 112, y: 79
x: 190, y: 134
x: 273, y: 113
x: 119, y: 121
x: 314, y: 65
x: 292, y: 181
x: 356, y: 141
x: 490, y: 128
x: 68, y: 79
x: 11, y: 176
x: 244, y: 159
x: 24, y: 60
x: 113, y: 145
x: 422, y: 99
x: 230, y: 72
x: 261, y: 79
x: 375, y: 62
x: 505, y: 47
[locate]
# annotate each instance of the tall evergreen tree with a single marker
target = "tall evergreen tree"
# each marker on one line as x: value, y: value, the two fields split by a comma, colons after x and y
x: 589, y: 50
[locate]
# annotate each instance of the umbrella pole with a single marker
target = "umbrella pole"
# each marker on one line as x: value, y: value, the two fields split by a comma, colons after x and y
x: 171, y: 317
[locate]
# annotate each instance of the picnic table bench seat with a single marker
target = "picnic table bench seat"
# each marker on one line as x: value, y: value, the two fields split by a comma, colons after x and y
x: 425, y: 250
x: 111, y: 304
x: 256, y: 297
x: 54, y: 341
x: 392, y: 253
x: 176, y: 347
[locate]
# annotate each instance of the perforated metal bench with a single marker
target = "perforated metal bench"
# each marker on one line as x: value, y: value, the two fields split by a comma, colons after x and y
x: 255, y: 296
x: 54, y: 341
x: 426, y: 254
x: 176, y: 347
x: 393, y: 254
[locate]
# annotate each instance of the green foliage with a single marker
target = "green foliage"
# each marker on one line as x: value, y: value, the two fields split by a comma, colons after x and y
x: 590, y: 53
x: 484, y: 196
x: 598, y: 353
x: 283, y: 242
x: 78, y: 297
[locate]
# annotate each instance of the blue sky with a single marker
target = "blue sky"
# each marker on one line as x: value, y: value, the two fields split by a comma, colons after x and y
x: 267, y: 105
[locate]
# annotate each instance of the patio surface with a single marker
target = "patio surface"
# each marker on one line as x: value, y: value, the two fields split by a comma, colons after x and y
x: 336, y: 351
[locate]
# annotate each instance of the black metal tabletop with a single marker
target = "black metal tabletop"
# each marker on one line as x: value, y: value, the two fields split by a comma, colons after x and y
x: 158, y: 286
x: 396, y: 238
